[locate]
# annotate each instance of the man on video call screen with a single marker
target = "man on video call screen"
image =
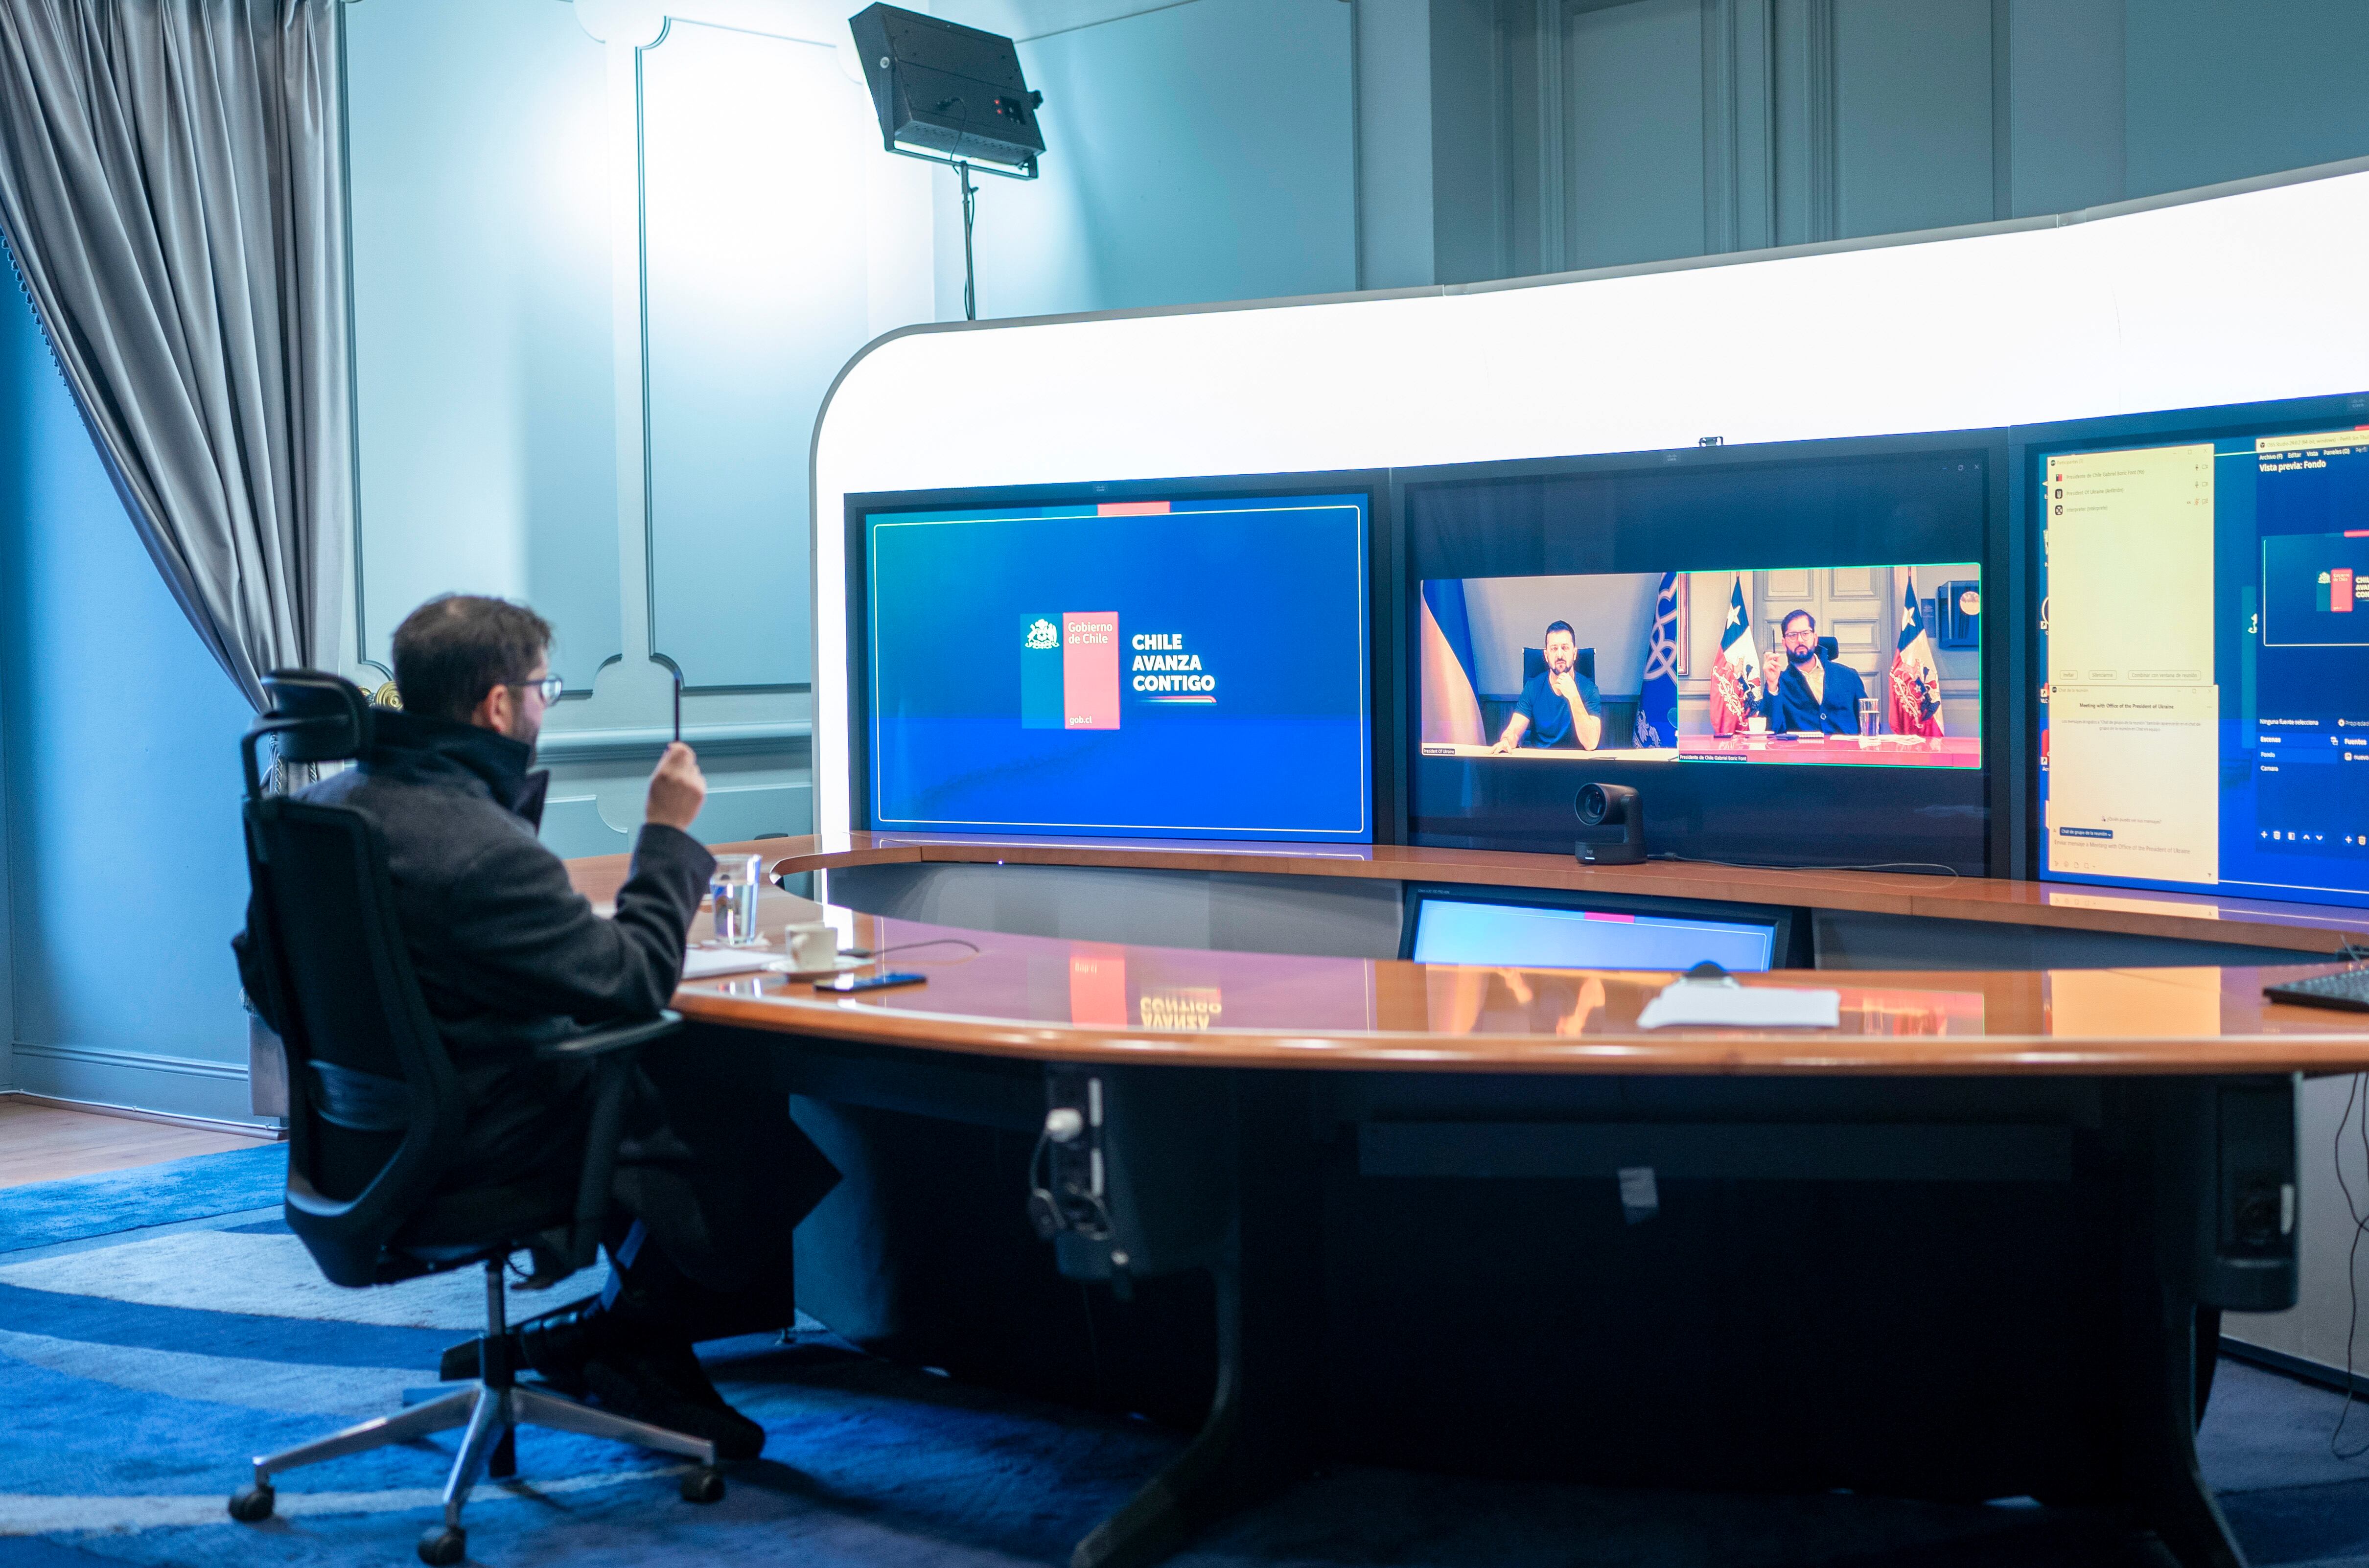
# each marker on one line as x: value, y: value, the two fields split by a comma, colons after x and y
x: 1808, y: 691
x: 1559, y: 706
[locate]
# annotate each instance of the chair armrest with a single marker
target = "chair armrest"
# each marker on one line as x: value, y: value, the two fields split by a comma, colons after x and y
x: 610, y: 1053
x: 616, y: 1037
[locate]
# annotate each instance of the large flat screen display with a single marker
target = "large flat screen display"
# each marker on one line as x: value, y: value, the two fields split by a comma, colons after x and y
x: 1840, y: 666
x: 1185, y: 667
x: 2204, y: 632
x: 1781, y: 650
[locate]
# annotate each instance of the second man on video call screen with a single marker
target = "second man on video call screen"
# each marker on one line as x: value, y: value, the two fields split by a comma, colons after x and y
x: 1853, y: 666
x: 1194, y: 668
x: 2205, y: 627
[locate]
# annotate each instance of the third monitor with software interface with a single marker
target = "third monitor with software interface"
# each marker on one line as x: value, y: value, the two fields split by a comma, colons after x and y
x: 2204, y: 637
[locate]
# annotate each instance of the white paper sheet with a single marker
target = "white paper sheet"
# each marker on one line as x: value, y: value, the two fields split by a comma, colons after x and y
x: 1686, y: 1004
x: 701, y: 963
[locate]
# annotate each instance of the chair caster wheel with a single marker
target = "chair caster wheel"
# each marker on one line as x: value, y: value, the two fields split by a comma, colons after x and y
x: 252, y: 1505
x: 441, y: 1546
x: 703, y: 1485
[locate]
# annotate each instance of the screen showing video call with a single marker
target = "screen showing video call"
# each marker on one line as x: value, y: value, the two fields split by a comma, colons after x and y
x: 1846, y: 666
x: 1781, y: 651
x: 2204, y: 629
x: 1194, y: 667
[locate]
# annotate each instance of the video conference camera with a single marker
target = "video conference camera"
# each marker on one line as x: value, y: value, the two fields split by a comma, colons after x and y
x: 1611, y: 825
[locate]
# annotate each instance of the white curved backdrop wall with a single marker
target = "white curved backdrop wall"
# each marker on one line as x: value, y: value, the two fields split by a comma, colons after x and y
x: 2222, y: 298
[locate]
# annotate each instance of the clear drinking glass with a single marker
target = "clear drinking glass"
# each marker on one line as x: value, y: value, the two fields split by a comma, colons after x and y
x: 1867, y: 721
x: 732, y: 888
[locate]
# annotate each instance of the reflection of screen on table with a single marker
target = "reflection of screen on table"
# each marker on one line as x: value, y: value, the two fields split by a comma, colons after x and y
x: 1850, y: 665
x: 2205, y: 630
x: 1449, y: 930
x: 1189, y: 670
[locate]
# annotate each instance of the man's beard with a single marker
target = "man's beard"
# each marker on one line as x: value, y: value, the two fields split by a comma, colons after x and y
x: 1803, y: 656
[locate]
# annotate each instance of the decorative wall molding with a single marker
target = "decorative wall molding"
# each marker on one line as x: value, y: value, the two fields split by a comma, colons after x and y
x: 2002, y: 112
x: 1722, y: 150
x: 1026, y: 19
x: 180, y: 1086
x: 140, y: 1062
x: 643, y: 744
x: 1555, y: 20
x: 1820, y: 154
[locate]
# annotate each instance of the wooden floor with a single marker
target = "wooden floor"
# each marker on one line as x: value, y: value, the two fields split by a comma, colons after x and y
x: 44, y: 1143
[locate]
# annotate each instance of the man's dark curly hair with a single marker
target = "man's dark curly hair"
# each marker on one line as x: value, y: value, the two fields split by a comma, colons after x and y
x: 453, y: 649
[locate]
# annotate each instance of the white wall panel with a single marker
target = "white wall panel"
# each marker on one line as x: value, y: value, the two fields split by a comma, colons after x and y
x: 1201, y: 152
x: 1633, y: 107
x: 1912, y: 85
x: 755, y: 152
x: 485, y: 427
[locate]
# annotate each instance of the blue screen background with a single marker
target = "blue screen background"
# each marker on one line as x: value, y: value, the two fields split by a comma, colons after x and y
x: 1527, y: 936
x: 1270, y: 594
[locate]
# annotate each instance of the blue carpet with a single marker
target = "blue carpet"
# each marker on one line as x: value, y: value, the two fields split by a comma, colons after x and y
x: 45, y: 1213
x: 133, y: 1405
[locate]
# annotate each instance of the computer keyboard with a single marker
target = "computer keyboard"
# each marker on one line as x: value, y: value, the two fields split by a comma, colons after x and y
x: 2349, y: 991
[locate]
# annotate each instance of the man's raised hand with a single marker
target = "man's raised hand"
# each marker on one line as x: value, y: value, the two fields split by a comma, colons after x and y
x: 677, y: 789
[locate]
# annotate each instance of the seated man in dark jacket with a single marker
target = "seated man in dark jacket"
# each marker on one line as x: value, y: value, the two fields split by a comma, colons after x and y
x: 713, y: 1173
x: 1806, y: 692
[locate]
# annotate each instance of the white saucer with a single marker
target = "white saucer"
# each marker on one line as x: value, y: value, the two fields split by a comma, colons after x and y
x: 839, y: 966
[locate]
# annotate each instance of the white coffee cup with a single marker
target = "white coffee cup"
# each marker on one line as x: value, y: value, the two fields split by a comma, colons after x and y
x: 810, y: 944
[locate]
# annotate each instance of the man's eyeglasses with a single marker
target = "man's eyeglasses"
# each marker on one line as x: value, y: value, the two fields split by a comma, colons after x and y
x: 550, y: 686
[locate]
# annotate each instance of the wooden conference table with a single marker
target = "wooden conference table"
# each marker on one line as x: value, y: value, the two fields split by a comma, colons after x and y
x: 1959, y: 1245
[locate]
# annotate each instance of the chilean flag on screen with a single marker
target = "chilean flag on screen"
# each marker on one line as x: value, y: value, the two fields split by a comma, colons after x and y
x: 1733, y: 700
x: 1090, y: 669
x: 1916, y: 689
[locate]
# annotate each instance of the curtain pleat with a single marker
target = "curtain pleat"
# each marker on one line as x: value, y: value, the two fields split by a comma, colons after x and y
x: 171, y: 189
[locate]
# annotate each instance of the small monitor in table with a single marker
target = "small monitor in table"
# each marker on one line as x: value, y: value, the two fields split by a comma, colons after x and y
x: 1535, y: 936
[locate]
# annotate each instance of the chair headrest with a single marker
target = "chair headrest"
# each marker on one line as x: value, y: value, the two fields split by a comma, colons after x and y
x: 1831, y: 649
x: 319, y: 717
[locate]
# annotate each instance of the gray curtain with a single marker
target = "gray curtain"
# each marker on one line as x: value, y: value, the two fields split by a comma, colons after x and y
x: 172, y: 188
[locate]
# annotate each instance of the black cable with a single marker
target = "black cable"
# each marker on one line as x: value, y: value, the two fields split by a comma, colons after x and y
x: 2352, y: 1258
x: 1772, y: 866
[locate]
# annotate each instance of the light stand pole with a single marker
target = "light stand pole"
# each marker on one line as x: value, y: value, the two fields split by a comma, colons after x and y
x: 970, y: 269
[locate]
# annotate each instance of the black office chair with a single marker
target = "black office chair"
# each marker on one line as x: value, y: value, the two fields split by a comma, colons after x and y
x: 375, y: 1118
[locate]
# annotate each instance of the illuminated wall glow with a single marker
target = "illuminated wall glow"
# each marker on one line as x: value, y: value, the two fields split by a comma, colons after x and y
x: 2219, y: 298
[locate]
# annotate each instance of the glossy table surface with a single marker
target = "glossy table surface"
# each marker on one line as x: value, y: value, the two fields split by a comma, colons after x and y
x: 2301, y: 928
x: 1051, y: 999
